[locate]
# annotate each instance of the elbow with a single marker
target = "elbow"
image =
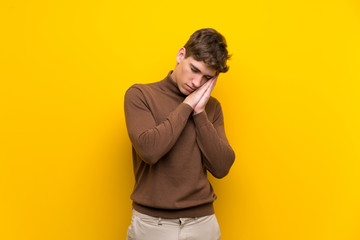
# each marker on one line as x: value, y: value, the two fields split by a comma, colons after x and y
x: 148, y: 157
x: 146, y: 151
x: 220, y: 174
x: 222, y: 171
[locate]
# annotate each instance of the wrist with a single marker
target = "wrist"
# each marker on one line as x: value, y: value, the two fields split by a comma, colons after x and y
x: 189, y: 103
x: 197, y: 111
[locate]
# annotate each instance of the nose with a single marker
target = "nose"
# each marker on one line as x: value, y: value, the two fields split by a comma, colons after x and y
x: 196, y: 81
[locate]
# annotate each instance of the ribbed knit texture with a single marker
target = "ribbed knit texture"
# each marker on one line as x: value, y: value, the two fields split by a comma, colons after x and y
x: 173, y: 150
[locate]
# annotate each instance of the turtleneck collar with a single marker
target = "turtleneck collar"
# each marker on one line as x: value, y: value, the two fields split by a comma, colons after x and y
x: 170, y: 85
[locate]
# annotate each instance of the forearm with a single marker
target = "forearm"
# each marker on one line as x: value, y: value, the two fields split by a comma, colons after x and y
x: 218, y: 156
x: 150, y: 139
x: 153, y: 143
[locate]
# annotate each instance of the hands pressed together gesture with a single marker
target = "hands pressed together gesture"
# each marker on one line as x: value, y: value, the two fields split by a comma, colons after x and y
x: 198, y: 99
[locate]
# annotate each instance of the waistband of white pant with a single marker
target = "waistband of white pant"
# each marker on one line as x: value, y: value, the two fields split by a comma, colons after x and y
x: 160, y: 221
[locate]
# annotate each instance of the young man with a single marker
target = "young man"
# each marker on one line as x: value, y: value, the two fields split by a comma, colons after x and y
x: 177, y: 134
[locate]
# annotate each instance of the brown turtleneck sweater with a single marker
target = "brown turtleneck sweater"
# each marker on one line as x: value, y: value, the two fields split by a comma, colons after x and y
x: 173, y: 150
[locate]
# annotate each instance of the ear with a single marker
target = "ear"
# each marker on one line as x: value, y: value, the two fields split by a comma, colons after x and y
x: 181, y: 55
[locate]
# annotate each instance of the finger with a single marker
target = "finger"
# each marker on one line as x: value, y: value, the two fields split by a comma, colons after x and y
x: 212, y: 85
x: 208, y: 91
x: 207, y: 84
x: 216, y: 77
x: 198, y: 93
x: 203, y: 88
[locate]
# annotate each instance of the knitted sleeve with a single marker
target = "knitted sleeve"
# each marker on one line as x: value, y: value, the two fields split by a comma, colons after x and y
x: 152, y: 141
x: 218, y: 156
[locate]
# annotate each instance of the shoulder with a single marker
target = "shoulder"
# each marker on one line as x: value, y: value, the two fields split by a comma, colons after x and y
x: 135, y: 94
x: 134, y: 91
x: 139, y: 89
x: 140, y: 93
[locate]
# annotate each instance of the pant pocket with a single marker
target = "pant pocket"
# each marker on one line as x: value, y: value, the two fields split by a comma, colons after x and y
x: 217, y: 228
x: 130, y: 235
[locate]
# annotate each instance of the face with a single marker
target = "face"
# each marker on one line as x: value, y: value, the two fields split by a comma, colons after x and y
x: 190, y: 74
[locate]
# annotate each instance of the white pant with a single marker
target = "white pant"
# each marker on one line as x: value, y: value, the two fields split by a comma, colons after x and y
x: 145, y: 227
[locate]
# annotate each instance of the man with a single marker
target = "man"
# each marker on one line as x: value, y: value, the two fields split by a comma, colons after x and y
x: 177, y: 134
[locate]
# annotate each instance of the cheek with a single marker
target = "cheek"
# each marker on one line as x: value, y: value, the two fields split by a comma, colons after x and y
x: 203, y: 82
x: 186, y: 69
x: 187, y: 75
x: 184, y: 72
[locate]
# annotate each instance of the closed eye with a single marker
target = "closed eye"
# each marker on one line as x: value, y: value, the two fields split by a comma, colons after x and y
x: 194, y: 70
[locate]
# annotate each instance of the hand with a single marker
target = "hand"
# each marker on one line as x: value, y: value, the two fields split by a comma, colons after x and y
x: 198, y: 99
x: 193, y: 98
x: 200, y: 106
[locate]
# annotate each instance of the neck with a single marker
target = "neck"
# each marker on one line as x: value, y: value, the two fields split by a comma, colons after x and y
x: 173, y: 78
x: 171, y: 84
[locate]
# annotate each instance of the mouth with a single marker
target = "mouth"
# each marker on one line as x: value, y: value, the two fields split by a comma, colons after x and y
x: 190, y: 89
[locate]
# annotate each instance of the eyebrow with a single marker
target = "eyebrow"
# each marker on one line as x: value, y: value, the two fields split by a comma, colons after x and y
x: 200, y: 71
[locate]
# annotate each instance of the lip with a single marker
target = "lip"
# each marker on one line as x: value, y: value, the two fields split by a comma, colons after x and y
x: 190, y: 89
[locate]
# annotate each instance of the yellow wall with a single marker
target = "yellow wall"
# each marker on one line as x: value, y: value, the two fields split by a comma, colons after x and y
x: 290, y: 100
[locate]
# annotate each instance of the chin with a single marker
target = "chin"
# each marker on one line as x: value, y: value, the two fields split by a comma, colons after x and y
x: 184, y: 91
